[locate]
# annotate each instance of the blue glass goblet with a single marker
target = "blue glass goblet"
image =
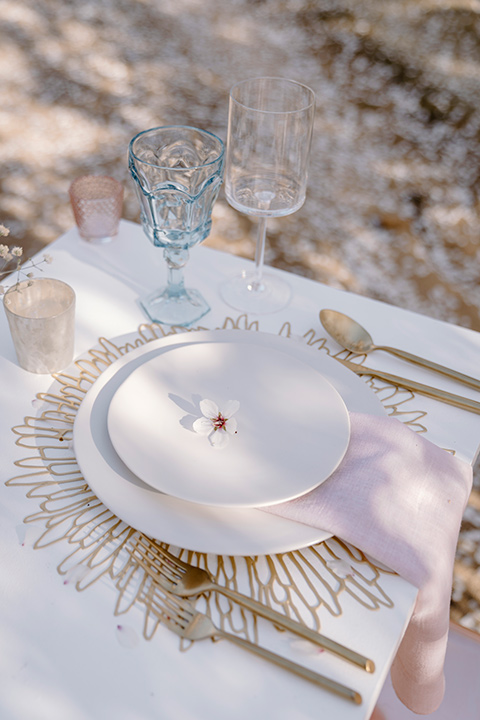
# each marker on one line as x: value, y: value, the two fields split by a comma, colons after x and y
x: 178, y: 171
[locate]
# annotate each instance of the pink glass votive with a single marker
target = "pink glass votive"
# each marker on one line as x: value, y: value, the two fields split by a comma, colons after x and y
x: 97, y: 202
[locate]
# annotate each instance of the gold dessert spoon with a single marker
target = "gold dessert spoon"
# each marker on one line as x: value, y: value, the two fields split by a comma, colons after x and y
x: 353, y: 337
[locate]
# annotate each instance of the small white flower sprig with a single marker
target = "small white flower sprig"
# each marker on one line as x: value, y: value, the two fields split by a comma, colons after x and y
x: 8, y: 254
x: 218, y: 426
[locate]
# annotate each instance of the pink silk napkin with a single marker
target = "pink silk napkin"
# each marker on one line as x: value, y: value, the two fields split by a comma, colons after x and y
x: 399, y: 498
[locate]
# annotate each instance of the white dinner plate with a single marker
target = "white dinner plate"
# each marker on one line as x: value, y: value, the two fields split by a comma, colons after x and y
x: 290, y: 432
x: 202, y: 528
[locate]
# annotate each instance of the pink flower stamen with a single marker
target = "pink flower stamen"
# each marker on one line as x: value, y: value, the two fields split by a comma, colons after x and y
x: 213, y: 419
x: 219, y: 423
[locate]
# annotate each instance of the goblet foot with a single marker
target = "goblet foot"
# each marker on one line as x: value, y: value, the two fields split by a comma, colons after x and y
x: 181, y: 309
x: 245, y: 292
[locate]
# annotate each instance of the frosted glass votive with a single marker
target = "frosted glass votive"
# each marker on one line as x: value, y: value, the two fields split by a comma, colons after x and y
x: 97, y: 202
x: 41, y: 317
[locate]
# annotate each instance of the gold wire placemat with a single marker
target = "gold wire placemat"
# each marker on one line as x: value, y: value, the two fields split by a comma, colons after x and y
x: 301, y: 584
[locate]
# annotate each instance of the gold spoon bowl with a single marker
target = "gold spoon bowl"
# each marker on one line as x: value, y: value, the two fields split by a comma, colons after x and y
x: 353, y: 337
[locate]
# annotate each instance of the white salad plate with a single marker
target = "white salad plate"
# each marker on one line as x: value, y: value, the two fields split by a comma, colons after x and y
x: 194, y: 526
x: 290, y: 432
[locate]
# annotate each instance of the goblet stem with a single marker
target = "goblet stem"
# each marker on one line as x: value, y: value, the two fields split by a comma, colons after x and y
x: 257, y: 282
x: 176, y: 259
x: 253, y: 291
x: 174, y: 304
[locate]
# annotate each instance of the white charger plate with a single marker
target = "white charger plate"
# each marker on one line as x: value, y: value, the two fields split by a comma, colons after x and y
x: 202, y: 528
x: 292, y: 426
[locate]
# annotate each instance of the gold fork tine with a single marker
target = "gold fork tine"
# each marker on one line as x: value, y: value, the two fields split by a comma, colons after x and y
x: 156, y: 550
x: 180, y: 616
x: 163, y: 561
x: 157, y: 575
x: 173, y: 611
x: 155, y: 569
x: 193, y: 581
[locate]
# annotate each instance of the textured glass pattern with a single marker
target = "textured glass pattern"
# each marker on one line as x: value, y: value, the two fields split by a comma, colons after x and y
x: 97, y: 202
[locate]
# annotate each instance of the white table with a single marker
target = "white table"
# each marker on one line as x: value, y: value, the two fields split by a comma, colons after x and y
x: 63, y: 654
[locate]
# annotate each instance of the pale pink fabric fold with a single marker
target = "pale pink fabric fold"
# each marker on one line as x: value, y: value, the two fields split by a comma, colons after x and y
x: 399, y: 498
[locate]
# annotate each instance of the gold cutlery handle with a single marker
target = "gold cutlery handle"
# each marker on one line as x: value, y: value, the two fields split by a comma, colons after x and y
x: 430, y: 365
x: 303, y: 672
x: 435, y: 393
x: 297, y: 628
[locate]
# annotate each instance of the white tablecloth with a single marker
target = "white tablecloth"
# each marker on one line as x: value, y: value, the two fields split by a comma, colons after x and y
x: 63, y: 652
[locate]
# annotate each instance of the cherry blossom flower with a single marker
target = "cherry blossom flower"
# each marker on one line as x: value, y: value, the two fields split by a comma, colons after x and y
x: 218, y: 425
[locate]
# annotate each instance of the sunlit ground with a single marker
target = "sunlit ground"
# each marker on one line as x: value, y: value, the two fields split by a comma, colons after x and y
x: 393, y: 203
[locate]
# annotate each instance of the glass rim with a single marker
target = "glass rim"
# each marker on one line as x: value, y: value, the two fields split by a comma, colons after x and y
x: 83, y: 179
x: 183, y: 127
x: 286, y: 81
x: 17, y: 288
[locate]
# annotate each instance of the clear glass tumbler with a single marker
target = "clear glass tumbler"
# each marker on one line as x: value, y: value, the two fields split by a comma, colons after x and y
x: 41, y: 317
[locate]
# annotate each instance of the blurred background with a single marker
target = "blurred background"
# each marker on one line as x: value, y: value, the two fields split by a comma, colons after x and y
x: 393, y: 206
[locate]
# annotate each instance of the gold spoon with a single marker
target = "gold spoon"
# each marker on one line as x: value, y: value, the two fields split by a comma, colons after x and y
x: 353, y: 337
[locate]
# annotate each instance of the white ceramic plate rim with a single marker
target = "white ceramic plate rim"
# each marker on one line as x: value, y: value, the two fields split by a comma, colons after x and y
x: 177, y: 522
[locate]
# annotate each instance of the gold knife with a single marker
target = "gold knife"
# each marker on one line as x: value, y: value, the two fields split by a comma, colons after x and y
x: 435, y: 393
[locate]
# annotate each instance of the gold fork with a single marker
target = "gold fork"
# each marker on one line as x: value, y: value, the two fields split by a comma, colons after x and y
x: 180, y: 578
x: 179, y: 615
